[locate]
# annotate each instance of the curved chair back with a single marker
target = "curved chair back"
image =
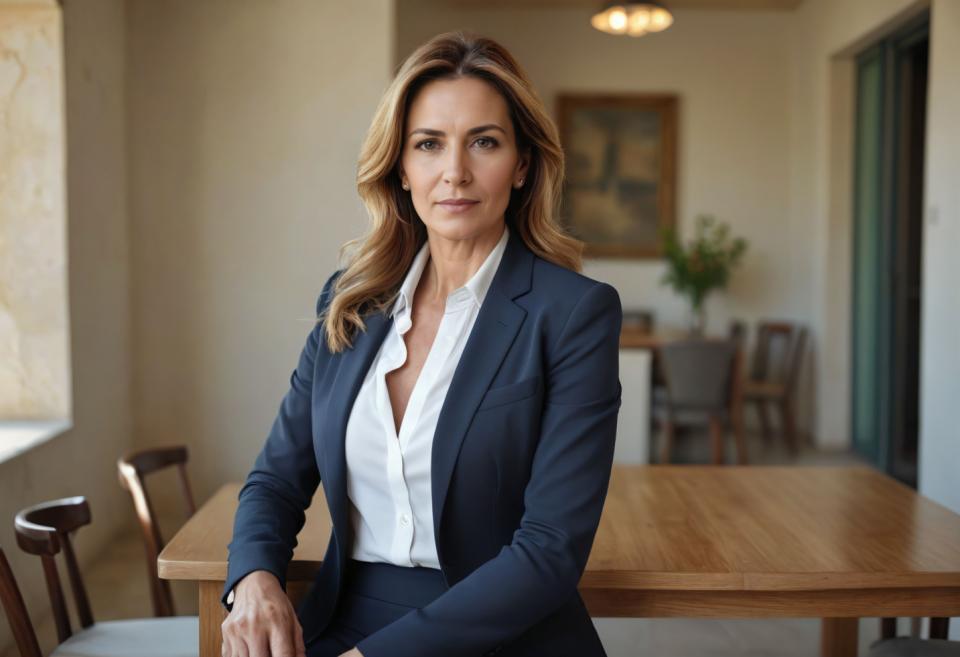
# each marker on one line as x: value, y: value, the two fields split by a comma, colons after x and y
x: 133, y: 470
x: 16, y: 611
x: 44, y: 530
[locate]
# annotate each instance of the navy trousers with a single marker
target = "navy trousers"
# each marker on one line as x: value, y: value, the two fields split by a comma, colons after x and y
x: 374, y: 595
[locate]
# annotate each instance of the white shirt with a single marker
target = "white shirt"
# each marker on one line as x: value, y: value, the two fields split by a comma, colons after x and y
x: 388, y: 475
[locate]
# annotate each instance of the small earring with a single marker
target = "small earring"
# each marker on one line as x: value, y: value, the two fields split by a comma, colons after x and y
x: 520, y: 183
x: 405, y: 186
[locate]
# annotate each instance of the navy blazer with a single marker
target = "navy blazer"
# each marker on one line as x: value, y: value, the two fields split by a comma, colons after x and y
x: 520, y: 467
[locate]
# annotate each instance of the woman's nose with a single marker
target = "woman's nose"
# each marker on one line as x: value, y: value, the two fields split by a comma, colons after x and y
x: 456, y: 171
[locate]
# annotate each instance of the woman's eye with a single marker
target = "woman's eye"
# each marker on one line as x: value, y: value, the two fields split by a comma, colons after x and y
x: 431, y: 144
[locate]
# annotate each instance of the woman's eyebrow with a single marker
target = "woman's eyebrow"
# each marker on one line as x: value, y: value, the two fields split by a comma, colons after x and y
x: 472, y: 131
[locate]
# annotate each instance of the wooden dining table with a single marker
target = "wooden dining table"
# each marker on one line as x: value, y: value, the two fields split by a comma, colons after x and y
x: 833, y: 542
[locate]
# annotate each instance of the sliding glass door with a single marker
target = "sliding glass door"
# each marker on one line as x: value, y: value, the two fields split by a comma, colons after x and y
x: 887, y: 240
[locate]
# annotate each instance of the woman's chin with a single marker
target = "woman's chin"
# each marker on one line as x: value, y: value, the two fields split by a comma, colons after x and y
x: 462, y: 227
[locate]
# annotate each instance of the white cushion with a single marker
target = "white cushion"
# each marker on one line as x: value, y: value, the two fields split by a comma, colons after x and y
x: 176, y: 636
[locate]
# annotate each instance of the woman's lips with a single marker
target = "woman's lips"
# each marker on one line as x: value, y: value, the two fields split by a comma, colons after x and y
x: 457, y: 208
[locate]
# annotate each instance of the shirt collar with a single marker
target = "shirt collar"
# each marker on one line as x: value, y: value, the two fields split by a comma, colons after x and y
x: 476, y: 288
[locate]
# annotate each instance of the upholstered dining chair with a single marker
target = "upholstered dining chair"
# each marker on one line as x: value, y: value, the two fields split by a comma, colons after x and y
x: 45, y: 530
x: 133, y: 469
x: 699, y: 375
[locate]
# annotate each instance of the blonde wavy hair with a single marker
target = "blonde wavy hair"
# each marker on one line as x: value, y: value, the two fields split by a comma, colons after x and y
x: 379, y: 260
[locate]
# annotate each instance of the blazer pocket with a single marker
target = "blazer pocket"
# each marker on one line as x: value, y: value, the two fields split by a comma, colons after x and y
x: 510, y: 393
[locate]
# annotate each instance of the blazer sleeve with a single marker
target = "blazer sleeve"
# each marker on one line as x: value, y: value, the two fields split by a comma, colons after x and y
x: 570, y: 474
x: 284, y: 477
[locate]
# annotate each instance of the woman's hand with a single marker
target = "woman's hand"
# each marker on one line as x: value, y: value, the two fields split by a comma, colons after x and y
x: 263, y: 622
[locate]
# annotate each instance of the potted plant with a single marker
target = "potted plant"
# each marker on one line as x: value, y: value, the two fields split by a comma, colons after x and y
x: 701, y: 265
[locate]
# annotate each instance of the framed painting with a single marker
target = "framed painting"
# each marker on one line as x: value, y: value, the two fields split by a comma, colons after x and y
x: 621, y: 159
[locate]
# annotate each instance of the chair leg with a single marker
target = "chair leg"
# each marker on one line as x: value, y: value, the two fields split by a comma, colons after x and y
x: 764, y: 419
x: 789, y: 425
x: 716, y: 440
x: 939, y: 628
x: 888, y: 628
x: 666, y: 444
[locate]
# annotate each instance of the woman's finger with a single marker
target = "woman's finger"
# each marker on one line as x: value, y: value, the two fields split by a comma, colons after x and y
x: 281, y: 640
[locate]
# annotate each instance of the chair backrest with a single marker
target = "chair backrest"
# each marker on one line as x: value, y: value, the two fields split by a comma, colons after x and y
x: 778, y: 355
x: 16, y: 611
x: 698, y: 373
x: 44, y: 530
x: 133, y: 469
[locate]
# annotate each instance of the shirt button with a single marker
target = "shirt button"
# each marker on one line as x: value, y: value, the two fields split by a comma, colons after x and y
x: 404, y: 519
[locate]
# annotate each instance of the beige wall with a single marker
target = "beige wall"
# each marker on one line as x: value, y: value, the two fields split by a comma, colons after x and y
x: 245, y: 125
x: 82, y: 460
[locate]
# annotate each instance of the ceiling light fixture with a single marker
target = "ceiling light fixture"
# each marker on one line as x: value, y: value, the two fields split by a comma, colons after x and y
x: 632, y: 18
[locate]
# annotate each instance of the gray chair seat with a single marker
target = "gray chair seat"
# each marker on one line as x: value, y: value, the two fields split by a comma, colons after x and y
x: 910, y: 647
x: 683, y: 417
x: 176, y: 636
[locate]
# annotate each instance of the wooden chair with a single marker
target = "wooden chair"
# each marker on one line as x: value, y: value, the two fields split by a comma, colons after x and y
x: 890, y: 645
x: 133, y: 469
x: 16, y: 610
x: 773, y: 377
x: 700, y: 379
x: 44, y: 530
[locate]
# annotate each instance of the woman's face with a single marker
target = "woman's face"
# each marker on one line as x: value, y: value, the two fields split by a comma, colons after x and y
x: 459, y: 144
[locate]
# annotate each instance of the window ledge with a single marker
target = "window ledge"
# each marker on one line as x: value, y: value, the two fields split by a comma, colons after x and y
x: 17, y: 437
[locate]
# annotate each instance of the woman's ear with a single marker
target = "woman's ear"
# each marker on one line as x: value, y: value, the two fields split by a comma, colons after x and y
x: 523, y: 164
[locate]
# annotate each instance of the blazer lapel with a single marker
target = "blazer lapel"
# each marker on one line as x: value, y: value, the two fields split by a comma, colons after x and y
x: 494, y: 330
x: 353, y: 367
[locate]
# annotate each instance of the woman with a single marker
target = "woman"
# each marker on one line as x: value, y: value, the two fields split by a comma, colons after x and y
x: 457, y: 399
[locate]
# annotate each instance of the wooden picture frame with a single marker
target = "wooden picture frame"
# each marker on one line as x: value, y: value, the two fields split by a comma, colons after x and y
x: 620, y: 184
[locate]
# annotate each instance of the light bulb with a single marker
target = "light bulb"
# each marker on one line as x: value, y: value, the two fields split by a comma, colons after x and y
x: 660, y: 20
x: 618, y: 19
x: 639, y: 19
